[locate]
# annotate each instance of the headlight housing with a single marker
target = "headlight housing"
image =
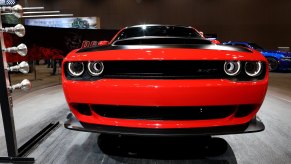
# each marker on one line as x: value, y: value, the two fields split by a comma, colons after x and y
x: 95, y: 68
x: 253, y: 69
x: 76, y: 68
x: 232, y: 68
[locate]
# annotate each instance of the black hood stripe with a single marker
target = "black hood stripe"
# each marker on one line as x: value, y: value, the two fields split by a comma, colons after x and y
x: 184, y: 46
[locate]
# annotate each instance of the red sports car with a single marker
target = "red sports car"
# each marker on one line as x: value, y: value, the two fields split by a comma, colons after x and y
x: 164, y: 80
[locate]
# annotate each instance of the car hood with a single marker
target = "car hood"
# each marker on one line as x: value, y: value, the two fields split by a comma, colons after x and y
x: 166, y: 52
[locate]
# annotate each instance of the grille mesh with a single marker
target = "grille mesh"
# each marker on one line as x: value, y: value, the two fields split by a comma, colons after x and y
x: 163, y: 69
x: 164, y: 113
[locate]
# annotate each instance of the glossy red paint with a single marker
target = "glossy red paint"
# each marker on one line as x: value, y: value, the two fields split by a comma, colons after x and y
x: 103, y: 43
x: 164, y: 93
x: 216, y: 41
x: 138, y: 92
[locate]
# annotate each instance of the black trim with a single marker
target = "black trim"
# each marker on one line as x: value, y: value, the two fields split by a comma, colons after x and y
x: 255, y: 125
x: 164, y: 112
x: 82, y: 108
x: 151, y: 40
x: 185, y: 46
x: 165, y: 69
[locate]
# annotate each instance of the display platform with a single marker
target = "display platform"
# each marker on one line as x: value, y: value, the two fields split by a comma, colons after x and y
x: 67, y: 146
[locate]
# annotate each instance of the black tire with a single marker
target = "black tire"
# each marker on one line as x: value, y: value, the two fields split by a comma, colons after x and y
x: 273, y: 64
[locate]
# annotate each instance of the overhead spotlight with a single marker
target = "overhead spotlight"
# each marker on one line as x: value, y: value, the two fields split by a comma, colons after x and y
x: 21, y: 49
x: 21, y: 12
x: 16, y: 10
x: 25, y: 85
x: 19, y: 30
x: 23, y: 67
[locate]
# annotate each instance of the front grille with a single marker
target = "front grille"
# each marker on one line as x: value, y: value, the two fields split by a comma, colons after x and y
x: 164, y: 69
x: 164, y: 113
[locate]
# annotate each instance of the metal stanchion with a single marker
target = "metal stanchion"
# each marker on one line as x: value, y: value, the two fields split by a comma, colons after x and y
x: 15, y: 154
x: 6, y: 98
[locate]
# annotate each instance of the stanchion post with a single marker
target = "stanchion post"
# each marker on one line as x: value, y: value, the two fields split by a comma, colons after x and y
x: 15, y: 154
x: 6, y: 103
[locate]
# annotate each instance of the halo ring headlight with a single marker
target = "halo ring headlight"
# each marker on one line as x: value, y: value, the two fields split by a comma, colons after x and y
x: 253, y: 69
x: 95, y: 68
x: 232, y: 68
x: 76, y: 68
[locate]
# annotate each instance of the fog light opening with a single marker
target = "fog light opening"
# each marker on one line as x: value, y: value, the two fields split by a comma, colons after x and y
x: 244, y: 110
x: 83, y: 109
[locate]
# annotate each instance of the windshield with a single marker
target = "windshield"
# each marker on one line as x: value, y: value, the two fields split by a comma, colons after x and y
x: 171, y: 31
x: 256, y: 47
x: 161, y: 40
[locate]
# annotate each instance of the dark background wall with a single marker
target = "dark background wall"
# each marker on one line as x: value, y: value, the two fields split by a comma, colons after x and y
x: 267, y: 23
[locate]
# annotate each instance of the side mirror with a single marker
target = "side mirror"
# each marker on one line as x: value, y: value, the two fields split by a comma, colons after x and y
x: 103, y: 43
x: 212, y: 38
x: 215, y: 41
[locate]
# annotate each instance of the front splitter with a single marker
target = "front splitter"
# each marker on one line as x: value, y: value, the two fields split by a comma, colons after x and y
x: 255, y: 125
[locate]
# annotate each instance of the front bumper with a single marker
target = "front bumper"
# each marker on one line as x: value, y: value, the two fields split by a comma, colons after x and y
x: 140, y: 92
x: 255, y: 125
x: 164, y: 93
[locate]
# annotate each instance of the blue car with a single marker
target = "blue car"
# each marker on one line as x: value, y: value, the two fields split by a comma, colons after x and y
x: 278, y: 60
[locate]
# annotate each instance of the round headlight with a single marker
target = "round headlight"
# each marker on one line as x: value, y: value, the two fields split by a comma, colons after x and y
x: 253, y: 68
x: 76, y: 68
x: 95, y: 68
x: 232, y: 68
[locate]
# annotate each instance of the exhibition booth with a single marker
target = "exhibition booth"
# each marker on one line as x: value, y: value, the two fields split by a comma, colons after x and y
x: 76, y: 91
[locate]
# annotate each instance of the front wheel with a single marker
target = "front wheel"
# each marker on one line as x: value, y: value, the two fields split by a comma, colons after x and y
x: 273, y: 64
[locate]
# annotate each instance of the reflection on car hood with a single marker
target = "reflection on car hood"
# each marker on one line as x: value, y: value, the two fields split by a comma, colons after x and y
x: 161, y: 46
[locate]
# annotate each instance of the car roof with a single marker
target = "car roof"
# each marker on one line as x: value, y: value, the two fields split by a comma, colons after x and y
x: 150, y: 25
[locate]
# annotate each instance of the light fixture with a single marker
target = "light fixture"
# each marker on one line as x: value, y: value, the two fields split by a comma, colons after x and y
x: 41, y: 12
x: 42, y: 16
x: 19, y: 30
x: 21, y: 49
x: 253, y: 69
x: 22, y: 67
x: 6, y: 98
x: 76, y: 68
x: 25, y: 85
x: 17, y: 10
x: 95, y: 68
x: 232, y: 68
x: 20, y: 12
